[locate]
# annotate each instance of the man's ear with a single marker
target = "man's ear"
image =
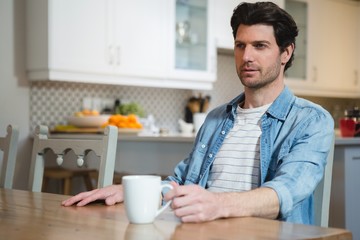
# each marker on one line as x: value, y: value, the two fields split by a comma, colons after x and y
x: 287, y: 53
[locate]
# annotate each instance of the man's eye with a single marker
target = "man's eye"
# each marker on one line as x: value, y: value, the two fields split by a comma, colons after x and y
x: 260, y: 45
x: 239, y: 45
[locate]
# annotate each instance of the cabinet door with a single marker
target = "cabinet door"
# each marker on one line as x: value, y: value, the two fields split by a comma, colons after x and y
x: 192, y: 54
x: 352, y: 193
x: 333, y: 41
x: 345, y: 194
x: 78, y: 36
x: 330, y: 62
x: 140, y: 37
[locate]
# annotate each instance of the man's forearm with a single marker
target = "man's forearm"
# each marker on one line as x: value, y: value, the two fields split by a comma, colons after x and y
x: 260, y: 202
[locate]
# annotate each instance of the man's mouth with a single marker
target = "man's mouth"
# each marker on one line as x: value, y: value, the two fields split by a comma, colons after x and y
x: 248, y: 70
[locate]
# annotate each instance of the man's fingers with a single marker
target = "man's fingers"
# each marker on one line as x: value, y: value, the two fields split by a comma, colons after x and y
x: 84, y: 198
x: 76, y: 198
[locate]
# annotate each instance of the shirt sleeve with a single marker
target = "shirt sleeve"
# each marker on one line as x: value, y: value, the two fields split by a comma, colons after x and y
x: 301, y: 161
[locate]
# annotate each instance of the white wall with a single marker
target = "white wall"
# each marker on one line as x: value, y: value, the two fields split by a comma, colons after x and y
x: 14, y: 88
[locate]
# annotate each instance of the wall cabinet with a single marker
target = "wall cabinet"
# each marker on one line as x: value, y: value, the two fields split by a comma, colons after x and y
x: 331, y: 62
x: 112, y: 42
x: 192, y: 54
x: 59, y: 43
x: 138, y: 38
x: 337, y: 65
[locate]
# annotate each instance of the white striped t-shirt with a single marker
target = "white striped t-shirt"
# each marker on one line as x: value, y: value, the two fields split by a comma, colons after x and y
x: 237, y: 164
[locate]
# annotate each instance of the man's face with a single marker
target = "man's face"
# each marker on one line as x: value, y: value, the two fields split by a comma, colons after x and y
x: 257, y: 56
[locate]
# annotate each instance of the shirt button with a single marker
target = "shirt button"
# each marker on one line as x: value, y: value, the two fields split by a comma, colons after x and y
x: 222, y: 132
x: 210, y: 155
x: 203, y: 146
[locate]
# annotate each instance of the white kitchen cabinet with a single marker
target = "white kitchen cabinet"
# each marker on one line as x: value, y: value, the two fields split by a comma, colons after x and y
x: 109, y: 41
x: 64, y: 41
x: 193, y: 52
x: 331, y: 62
x: 345, y: 194
x: 332, y: 42
x: 140, y: 37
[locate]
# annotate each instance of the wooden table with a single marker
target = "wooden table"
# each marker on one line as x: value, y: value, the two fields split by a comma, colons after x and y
x: 26, y: 215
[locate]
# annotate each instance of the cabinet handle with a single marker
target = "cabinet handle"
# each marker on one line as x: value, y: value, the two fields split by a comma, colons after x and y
x: 356, y: 78
x: 111, y: 55
x: 314, y: 79
x: 118, y: 54
x: 356, y: 158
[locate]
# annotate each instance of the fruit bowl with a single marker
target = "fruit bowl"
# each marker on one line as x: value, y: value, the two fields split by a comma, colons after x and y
x: 88, y: 121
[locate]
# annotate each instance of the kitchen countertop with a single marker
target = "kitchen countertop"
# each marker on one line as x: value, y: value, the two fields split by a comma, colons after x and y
x: 347, y: 141
x: 176, y: 137
x: 140, y: 137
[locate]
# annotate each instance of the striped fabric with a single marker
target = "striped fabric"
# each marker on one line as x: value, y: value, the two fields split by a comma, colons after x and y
x: 237, y: 164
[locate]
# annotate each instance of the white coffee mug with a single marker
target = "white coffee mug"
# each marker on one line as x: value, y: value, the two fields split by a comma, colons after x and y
x: 142, y: 197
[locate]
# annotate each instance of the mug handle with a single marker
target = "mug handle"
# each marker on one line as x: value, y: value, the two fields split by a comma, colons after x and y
x: 160, y: 210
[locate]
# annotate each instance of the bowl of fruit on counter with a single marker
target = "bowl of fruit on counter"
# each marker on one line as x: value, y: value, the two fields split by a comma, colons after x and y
x: 88, y: 119
x: 127, y: 118
x: 126, y: 123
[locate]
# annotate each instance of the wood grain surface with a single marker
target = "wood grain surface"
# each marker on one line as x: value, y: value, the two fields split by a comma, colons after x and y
x: 26, y: 215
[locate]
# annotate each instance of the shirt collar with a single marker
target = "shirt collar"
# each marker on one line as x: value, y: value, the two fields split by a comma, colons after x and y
x: 278, y: 109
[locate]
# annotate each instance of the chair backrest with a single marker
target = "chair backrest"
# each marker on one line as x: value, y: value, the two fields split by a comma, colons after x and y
x: 104, y: 148
x: 322, y: 192
x: 8, y: 145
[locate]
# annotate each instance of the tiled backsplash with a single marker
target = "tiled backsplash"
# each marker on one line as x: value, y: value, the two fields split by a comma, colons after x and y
x: 51, y: 102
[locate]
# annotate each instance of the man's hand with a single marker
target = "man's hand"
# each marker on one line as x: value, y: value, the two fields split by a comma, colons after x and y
x: 111, y: 194
x: 192, y: 203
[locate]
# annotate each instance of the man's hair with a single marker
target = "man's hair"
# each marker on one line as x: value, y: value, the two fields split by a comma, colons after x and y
x: 267, y: 13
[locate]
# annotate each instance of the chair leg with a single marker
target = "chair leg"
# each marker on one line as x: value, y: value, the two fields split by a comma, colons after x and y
x: 67, y: 186
x: 88, y: 183
x: 45, y: 184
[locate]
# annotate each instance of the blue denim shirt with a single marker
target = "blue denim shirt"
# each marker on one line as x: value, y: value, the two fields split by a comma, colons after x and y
x: 295, y: 141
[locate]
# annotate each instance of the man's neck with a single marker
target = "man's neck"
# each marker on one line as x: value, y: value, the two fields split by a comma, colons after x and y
x: 259, y: 97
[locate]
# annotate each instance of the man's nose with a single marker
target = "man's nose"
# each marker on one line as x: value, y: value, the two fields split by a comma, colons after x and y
x: 248, y: 54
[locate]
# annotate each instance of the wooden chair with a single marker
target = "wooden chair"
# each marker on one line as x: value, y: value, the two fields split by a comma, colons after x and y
x: 104, y: 148
x: 8, y: 145
x: 322, y: 192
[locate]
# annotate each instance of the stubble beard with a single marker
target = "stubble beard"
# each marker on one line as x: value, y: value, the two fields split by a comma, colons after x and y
x: 264, y: 78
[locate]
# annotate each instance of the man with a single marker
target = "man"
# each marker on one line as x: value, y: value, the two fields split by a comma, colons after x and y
x: 263, y: 153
